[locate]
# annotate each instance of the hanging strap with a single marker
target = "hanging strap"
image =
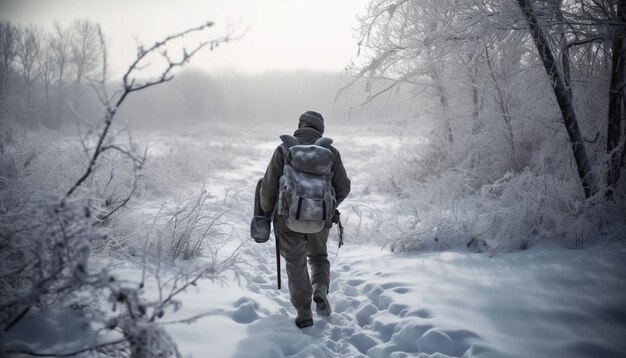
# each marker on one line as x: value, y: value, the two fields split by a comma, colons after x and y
x: 277, y: 247
x: 299, y: 209
x: 336, y: 219
x: 340, y: 226
x: 277, y: 260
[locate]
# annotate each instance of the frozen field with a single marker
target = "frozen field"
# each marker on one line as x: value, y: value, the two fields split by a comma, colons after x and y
x: 543, y: 302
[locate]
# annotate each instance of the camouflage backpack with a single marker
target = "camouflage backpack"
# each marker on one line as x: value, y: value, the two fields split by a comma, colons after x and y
x: 306, y: 197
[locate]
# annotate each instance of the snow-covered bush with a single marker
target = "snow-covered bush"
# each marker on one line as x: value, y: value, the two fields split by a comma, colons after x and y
x: 174, y: 160
x: 455, y: 208
x: 519, y: 149
x: 58, y: 197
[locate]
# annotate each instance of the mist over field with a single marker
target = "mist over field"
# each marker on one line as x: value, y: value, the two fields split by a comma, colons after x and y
x: 484, y: 140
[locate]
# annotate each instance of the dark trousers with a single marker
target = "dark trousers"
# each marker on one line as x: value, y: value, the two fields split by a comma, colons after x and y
x: 296, y: 248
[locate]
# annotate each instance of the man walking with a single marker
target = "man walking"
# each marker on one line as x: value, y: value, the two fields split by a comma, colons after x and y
x: 297, y: 245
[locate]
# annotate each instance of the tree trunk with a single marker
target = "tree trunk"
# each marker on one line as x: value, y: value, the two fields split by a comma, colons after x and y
x: 616, y: 96
x: 623, y: 159
x: 567, y: 76
x: 443, y: 99
x: 504, y: 111
x: 565, y: 56
x: 564, y: 99
x: 445, y: 108
x: 472, y: 71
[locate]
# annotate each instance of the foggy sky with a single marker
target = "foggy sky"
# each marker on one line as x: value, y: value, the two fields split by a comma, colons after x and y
x: 279, y: 34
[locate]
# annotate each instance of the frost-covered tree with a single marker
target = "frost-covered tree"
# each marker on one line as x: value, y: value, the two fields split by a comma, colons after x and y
x: 28, y: 54
x: 85, y: 54
x: 419, y: 43
x: 564, y: 99
x: 582, y: 37
x: 47, y: 236
x: 46, y: 68
x: 8, y: 45
x: 512, y: 93
x: 61, y: 54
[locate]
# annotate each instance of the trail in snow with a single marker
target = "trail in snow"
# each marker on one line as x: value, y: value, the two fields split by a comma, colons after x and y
x: 544, y: 302
x: 366, y: 319
x: 455, y: 304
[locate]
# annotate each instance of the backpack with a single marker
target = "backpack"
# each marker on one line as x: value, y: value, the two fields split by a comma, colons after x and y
x: 306, y: 198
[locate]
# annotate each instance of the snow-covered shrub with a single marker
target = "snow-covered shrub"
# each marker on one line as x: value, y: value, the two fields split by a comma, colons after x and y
x: 525, y: 150
x: 57, y: 198
x: 196, y: 223
x: 190, y: 225
x: 174, y: 160
x: 513, y: 212
x: 46, y: 248
x: 481, y: 194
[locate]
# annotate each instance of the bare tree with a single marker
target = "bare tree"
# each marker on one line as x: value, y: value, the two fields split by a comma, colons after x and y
x: 425, y: 44
x: 589, y: 35
x: 85, y: 54
x: 419, y: 42
x: 46, y: 66
x: 8, y: 45
x: 403, y: 39
x: 61, y: 53
x: 615, y: 143
x: 131, y: 84
x: 28, y: 53
x: 479, y: 61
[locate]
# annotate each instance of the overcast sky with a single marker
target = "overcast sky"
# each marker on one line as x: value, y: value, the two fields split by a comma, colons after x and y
x: 281, y: 34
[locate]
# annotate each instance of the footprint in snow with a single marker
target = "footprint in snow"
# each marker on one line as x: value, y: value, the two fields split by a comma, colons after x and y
x: 421, y: 313
x: 259, y: 279
x: 355, y: 282
x: 246, y: 311
x: 366, y: 321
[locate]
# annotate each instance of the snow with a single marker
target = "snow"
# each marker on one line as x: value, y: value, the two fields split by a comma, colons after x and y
x: 543, y: 302
x: 546, y: 301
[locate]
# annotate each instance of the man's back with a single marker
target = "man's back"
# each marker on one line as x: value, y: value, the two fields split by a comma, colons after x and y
x: 305, y: 135
x: 296, y: 247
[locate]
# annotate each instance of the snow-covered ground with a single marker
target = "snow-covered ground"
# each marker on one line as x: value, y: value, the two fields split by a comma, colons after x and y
x: 543, y: 302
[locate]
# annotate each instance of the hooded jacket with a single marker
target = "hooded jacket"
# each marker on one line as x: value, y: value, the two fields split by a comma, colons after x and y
x: 270, y: 185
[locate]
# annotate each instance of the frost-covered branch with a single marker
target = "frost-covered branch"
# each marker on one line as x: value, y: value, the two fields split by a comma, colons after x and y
x: 46, y: 242
x: 130, y: 84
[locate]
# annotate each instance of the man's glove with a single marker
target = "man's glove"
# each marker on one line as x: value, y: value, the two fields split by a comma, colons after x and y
x: 337, y: 220
x: 260, y: 228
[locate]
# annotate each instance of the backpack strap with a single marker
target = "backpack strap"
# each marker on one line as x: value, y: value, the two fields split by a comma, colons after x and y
x: 324, y: 142
x: 289, y: 140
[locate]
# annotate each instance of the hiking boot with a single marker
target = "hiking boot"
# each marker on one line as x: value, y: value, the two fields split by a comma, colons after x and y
x: 304, y: 318
x: 320, y: 296
x: 304, y: 322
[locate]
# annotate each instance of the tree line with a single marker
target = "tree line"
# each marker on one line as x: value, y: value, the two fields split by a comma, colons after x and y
x: 505, y: 70
x: 43, y: 72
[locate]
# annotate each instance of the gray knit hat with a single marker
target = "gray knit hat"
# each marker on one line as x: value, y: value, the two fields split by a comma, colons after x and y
x: 312, y: 119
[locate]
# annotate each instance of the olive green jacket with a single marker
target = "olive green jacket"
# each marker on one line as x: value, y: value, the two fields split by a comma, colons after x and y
x: 270, y: 186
